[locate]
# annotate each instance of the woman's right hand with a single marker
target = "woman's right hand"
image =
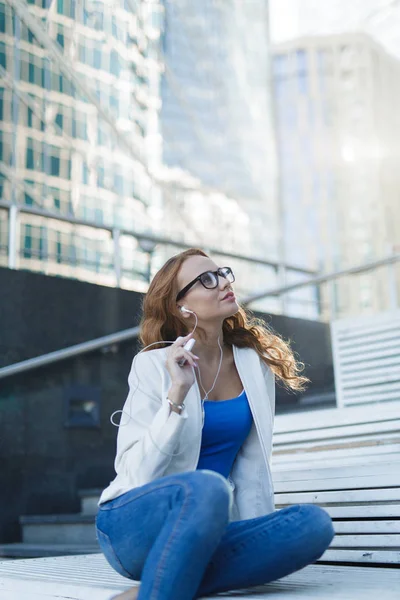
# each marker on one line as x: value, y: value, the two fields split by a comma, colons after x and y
x: 181, y: 376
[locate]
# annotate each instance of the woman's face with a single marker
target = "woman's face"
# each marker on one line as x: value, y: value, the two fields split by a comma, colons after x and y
x: 208, y: 304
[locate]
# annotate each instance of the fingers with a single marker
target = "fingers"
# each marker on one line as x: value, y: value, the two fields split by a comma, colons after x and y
x: 180, y: 354
x: 189, y: 356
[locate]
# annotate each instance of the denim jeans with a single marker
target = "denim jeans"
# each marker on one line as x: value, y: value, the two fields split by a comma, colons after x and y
x: 174, y: 536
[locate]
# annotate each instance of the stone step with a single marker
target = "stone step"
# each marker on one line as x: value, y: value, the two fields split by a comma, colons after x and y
x: 22, y: 550
x: 58, y: 529
x: 89, y: 499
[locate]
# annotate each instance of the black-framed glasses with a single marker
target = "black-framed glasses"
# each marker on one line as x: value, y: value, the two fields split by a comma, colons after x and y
x: 209, y: 279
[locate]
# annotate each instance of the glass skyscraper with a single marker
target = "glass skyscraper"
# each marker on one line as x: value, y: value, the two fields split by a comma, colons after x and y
x: 79, y: 102
x: 217, y: 128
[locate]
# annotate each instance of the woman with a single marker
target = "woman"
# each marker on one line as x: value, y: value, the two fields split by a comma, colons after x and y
x: 191, y: 511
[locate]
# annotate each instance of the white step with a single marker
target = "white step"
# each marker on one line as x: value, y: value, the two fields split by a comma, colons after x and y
x: 89, y: 577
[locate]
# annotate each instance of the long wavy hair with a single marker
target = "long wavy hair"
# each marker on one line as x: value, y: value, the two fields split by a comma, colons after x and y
x: 161, y: 320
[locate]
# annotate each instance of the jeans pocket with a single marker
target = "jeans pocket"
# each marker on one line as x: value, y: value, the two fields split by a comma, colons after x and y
x: 109, y: 553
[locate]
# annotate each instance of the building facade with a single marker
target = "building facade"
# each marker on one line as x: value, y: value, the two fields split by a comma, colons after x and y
x: 79, y: 104
x: 131, y: 118
x: 338, y: 138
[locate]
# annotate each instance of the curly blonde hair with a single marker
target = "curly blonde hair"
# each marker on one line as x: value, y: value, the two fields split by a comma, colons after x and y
x: 161, y: 320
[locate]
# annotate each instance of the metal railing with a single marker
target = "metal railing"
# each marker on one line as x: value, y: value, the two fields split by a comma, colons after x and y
x: 365, y: 267
x: 127, y: 334
x: 144, y: 238
x: 70, y: 352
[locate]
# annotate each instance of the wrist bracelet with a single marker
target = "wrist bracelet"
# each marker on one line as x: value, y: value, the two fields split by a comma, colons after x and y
x: 181, y: 406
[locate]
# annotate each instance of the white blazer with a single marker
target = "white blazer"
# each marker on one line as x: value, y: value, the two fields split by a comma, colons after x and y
x: 138, y: 461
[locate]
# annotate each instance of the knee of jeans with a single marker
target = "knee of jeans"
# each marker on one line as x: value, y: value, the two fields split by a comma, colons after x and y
x: 321, y: 520
x: 215, y: 484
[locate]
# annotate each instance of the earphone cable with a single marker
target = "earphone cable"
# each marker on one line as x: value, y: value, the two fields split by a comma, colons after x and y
x: 134, y: 368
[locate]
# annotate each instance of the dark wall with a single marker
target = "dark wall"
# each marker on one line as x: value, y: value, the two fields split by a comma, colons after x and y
x: 44, y: 462
x: 311, y: 343
x: 39, y: 314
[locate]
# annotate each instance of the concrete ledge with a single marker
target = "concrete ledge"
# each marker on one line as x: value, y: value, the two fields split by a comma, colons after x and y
x: 89, y: 499
x: 56, y: 519
x: 90, y: 492
x: 59, y: 529
x: 22, y: 550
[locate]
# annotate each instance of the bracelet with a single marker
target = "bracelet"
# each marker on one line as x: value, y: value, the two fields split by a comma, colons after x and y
x: 181, y: 406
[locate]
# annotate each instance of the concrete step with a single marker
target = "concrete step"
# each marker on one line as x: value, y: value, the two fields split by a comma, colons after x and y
x: 89, y: 499
x: 22, y: 550
x: 92, y: 578
x: 58, y: 529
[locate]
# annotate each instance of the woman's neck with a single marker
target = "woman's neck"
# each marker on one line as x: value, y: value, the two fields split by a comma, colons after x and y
x: 210, y: 355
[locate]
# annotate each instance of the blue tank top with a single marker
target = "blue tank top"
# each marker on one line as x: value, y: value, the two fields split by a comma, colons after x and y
x: 227, y: 423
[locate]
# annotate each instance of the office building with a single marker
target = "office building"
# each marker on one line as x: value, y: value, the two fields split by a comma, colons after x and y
x: 79, y: 104
x: 338, y: 134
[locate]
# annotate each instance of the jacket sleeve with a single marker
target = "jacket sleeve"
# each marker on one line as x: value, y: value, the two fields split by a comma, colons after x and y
x: 146, y: 422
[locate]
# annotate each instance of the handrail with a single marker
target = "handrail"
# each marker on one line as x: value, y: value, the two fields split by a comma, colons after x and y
x: 393, y: 258
x: 150, y: 236
x: 133, y: 332
x: 76, y: 350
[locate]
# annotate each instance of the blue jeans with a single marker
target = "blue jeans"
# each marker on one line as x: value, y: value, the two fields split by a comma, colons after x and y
x: 174, y: 536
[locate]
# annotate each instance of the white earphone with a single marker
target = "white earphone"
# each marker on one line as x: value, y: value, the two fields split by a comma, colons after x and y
x: 190, y: 343
x: 184, y: 309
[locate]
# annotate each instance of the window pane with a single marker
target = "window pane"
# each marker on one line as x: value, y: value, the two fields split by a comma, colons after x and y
x: 54, y: 165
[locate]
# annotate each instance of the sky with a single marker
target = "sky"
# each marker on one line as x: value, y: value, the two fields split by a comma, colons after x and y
x: 380, y: 18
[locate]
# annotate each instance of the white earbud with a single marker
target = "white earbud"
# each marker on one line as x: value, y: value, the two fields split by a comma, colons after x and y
x: 190, y: 343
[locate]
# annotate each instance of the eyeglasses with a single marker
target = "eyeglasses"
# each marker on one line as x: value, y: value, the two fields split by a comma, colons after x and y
x: 209, y: 279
